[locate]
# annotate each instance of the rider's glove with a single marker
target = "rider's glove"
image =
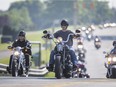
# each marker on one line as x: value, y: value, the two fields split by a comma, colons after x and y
x: 77, y: 35
x: 31, y: 58
x: 49, y: 36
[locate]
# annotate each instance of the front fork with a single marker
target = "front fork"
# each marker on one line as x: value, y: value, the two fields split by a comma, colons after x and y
x: 109, y: 69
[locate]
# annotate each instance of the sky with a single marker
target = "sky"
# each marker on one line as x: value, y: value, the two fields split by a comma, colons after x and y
x: 4, y: 4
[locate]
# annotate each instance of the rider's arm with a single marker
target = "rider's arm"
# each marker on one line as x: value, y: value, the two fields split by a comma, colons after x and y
x: 28, y: 45
x: 112, y: 51
x: 14, y: 44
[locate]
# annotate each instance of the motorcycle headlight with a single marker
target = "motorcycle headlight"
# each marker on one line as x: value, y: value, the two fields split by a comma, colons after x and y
x: 89, y: 36
x: 16, y: 53
x: 79, y: 69
x: 109, y: 59
x: 80, y: 46
x: 114, y: 59
x: 59, y: 47
x: 59, y: 39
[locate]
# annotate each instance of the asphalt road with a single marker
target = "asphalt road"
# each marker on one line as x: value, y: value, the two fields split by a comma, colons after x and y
x: 4, y: 54
x: 52, y: 82
x: 95, y: 58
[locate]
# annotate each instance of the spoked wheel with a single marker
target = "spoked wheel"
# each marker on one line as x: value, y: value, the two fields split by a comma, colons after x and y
x: 58, y: 68
x: 14, y: 69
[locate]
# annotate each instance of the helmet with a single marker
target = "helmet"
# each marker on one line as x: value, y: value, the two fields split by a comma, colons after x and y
x: 64, y: 23
x: 22, y: 33
x: 114, y: 43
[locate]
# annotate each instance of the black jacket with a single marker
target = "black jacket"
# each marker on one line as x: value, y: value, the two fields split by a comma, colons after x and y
x: 23, y: 44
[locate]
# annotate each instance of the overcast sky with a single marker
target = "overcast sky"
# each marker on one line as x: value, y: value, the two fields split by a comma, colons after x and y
x: 4, y: 4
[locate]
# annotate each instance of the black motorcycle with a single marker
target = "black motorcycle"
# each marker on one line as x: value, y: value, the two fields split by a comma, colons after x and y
x: 80, y: 72
x: 110, y: 65
x: 63, y: 66
x: 81, y: 51
x: 97, y: 43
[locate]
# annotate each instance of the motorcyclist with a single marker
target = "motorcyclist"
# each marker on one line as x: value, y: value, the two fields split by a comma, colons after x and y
x: 22, y: 42
x: 113, y: 51
x: 64, y: 34
x: 97, y: 39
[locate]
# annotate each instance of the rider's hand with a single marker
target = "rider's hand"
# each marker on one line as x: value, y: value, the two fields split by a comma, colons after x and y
x: 49, y: 36
x: 77, y: 35
x: 31, y: 58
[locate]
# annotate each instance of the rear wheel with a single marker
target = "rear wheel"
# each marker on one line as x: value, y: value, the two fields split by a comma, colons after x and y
x: 58, y: 67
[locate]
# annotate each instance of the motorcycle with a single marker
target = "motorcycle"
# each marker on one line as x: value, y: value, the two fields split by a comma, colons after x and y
x: 18, y: 64
x: 80, y: 72
x: 80, y: 51
x: 63, y: 66
x: 110, y: 65
x: 97, y: 43
x: 89, y: 34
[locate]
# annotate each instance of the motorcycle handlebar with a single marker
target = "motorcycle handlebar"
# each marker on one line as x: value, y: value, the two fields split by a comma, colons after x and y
x: 68, y: 38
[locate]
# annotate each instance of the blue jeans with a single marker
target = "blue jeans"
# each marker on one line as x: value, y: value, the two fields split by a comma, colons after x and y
x: 71, y: 52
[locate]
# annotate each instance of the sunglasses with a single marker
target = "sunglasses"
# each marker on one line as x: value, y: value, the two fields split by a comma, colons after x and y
x: 21, y: 35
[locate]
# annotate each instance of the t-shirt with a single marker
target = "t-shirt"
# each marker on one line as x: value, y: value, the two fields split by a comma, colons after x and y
x: 64, y: 35
x: 113, y: 51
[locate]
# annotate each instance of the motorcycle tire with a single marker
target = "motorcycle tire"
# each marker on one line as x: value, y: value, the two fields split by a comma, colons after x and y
x: 58, y: 68
x: 113, y: 73
x: 14, y: 69
x: 20, y: 72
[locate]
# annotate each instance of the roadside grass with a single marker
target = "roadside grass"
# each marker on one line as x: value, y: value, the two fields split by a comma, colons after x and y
x: 5, y: 60
x: 3, y: 46
x: 50, y: 74
x: 34, y: 36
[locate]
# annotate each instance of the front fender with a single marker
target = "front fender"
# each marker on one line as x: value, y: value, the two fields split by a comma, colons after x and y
x: 57, y: 56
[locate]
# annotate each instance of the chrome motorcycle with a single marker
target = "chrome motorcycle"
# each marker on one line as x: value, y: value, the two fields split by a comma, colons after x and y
x: 18, y: 64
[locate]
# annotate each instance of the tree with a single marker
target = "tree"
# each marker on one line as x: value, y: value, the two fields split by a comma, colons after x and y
x: 20, y: 19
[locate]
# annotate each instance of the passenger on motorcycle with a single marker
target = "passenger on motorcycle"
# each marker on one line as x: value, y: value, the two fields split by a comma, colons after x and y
x: 113, y: 51
x: 22, y: 42
x: 64, y: 34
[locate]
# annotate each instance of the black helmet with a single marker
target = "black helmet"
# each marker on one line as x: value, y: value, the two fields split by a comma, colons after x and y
x: 22, y: 33
x: 114, y: 43
x: 64, y: 23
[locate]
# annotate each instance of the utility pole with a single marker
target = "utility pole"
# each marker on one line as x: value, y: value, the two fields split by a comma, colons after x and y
x: 75, y: 14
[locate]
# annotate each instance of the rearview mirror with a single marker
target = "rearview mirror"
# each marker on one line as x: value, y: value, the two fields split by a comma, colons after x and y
x: 77, y: 31
x: 45, y: 31
x: 9, y: 47
x: 104, y: 52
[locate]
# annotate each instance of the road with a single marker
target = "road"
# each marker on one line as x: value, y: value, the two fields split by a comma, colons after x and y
x: 95, y: 67
x: 95, y: 58
x: 52, y: 82
x: 4, y: 54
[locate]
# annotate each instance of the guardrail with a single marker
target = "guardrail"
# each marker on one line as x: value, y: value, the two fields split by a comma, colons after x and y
x: 32, y: 72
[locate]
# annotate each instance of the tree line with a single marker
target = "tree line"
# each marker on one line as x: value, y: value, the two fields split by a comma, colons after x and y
x: 40, y: 14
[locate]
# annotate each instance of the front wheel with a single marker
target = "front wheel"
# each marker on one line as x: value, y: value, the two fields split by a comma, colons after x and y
x: 14, y: 69
x: 58, y: 67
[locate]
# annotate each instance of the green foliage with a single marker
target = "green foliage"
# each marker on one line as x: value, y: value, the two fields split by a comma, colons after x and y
x: 4, y: 60
x: 50, y: 74
x: 38, y: 14
x: 3, y: 46
x: 20, y: 19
